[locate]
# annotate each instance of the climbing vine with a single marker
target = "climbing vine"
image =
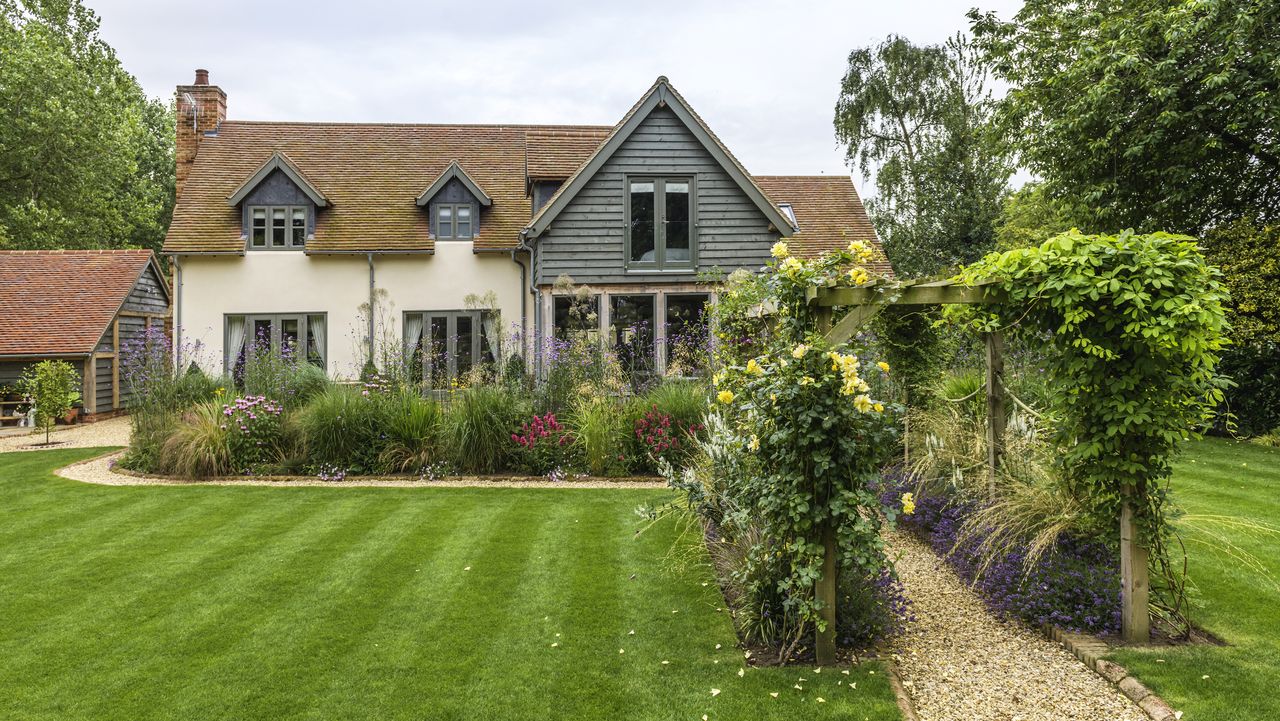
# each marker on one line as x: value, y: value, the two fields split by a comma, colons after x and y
x: 1136, y: 325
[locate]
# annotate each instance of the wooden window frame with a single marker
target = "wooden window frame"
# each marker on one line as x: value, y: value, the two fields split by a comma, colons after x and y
x: 269, y: 211
x: 228, y: 363
x: 451, y: 331
x: 660, y: 264
x: 473, y: 216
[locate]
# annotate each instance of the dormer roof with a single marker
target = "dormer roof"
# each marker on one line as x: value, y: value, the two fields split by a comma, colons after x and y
x: 277, y: 161
x: 454, y: 172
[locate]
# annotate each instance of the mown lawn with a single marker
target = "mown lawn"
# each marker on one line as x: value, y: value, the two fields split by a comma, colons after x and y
x: 327, y: 603
x: 1241, y: 606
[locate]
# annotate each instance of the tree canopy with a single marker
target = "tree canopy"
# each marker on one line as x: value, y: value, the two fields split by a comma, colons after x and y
x: 1145, y: 114
x: 918, y: 118
x: 86, y: 159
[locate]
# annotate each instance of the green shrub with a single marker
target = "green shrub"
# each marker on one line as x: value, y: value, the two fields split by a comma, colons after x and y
x: 661, y: 423
x: 197, y: 444
x: 253, y: 432
x: 413, y: 427
x: 601, y: 434
x: 53, y: 387
x: 479, y: 425
x: 342, y: 426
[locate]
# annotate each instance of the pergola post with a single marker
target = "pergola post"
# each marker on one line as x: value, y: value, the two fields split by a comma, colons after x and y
x: 1135, y: 585
x: 824, y: 589
x: 995, y: 408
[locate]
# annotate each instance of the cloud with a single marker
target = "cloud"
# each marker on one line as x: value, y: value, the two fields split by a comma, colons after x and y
x: 764, y: 75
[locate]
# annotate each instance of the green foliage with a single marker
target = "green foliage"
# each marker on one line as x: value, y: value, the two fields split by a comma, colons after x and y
x: 1137, y: 324
x: 282, y: 376
x: 198, y: 446
x: 805, y: 409
x: 1150, y: 114
x: 86, y: 159
x: 1030, y: 217
x: 1249, y: 257
x: 53, y: 387
x: 918, y: 117
x: 479, y: 424
x: 742, y: 331
x: 343, y: 427
x: 600, y: 431
x: 910, y: 340
x: 413, y: 426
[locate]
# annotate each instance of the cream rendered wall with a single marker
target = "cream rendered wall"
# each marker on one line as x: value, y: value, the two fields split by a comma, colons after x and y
x: 338, y: 285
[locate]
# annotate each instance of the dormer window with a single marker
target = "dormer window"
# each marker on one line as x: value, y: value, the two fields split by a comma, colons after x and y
x: 454, y: 221
x: 277, y: 227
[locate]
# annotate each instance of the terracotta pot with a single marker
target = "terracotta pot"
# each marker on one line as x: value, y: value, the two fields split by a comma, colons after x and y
x: 71, y: 416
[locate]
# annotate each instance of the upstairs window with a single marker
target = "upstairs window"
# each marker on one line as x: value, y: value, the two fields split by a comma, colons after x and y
x: 277, y: 227
x: 454, y: 221
x: 660, y: 230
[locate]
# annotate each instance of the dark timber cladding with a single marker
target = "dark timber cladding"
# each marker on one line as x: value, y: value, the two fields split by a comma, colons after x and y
x: 586, y: 240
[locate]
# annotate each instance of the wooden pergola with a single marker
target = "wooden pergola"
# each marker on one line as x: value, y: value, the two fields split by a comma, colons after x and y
x: 858, y: 306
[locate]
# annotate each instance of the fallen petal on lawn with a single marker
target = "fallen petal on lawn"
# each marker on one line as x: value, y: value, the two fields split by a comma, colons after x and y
x: 773, y: 694
x: 742, y: 672
x: 715, y: 692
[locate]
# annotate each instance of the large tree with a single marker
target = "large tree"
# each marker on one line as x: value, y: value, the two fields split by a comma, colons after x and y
x: 86, y: 159
x: 917, y: 118
x: 1148, y: 114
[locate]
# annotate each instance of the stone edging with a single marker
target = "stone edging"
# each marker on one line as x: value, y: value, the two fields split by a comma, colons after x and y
x: 905, y: 706
x: 100, y: 470
x: 1089, y: 649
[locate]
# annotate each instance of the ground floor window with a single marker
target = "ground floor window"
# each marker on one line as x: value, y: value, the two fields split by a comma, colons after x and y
x: 632, y: 332
x: 442, y: 347
x: 291, y: 335
x: 686, y: 336
x: 575, y: 314
x: 650, y: 332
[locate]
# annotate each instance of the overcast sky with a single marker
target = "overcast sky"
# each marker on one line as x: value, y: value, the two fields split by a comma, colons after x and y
x: 764, y: 75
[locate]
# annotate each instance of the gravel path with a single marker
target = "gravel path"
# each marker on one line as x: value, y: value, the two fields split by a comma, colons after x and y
x: 99, y: 470
x: 111, y: 432
x: 959, y: 662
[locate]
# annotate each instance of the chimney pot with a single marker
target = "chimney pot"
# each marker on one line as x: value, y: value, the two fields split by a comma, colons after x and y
x: 202, y: 76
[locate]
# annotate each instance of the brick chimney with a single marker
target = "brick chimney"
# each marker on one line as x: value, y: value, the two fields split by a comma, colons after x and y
x: 201, y: 109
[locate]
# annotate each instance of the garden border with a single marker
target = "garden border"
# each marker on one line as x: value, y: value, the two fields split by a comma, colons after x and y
x: 98, y: 470
x: 1089, y: 649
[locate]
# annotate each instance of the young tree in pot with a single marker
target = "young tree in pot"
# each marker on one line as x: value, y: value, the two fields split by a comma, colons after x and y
x: 53, y: 389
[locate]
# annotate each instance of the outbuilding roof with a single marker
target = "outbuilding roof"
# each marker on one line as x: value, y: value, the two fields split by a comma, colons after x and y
x: 61, y: 302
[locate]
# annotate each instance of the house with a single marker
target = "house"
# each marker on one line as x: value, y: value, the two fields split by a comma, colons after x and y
x: 338, y: 239
x: 80, y: 306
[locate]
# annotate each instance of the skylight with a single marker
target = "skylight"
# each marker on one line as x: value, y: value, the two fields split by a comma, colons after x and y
x: 790, y: 212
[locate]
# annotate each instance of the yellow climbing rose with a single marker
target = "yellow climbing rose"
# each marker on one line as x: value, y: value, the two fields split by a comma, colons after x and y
x: 862, y: 403
x: 754, y: 368
x: 754, y: 444
x: 799, y: 351
x: 879, y: 407
x: 883, y: 366
x: 725, y: 397
x: 908, y: 503
x: 780, y: 249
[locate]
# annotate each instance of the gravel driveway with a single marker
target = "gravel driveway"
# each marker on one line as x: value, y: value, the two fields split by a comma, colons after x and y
x: 958, y: 662
x: 111, y: 432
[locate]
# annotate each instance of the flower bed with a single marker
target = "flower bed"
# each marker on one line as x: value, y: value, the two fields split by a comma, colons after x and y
x: 1076, y: 585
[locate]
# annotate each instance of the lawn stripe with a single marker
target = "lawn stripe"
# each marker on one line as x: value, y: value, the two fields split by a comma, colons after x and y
x: 210, y: 546
x: 166, y: 642
x: 521, y: 586
x: 319, y: 612
x: 440, y: 606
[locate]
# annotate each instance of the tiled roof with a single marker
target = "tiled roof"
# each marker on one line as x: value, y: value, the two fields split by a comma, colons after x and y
x: 828, y: 211
x: 555, y: 154
x: 370, y: 173
x: 60, y: 302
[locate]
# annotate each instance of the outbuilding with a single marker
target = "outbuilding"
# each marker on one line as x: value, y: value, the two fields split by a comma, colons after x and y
x: 80, y: 306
